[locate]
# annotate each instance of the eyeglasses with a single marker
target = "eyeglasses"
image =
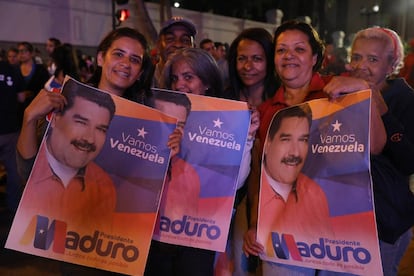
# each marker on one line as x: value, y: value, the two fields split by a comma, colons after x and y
x: 23, y: 51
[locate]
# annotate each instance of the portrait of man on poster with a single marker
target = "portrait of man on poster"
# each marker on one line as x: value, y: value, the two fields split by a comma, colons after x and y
x: 66, y: 183
x: 291, y: 202
x: 182, y: 185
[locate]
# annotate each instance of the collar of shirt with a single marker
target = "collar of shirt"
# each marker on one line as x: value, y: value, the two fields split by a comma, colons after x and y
x: 64, y: 173
x: 315, y: 87
x: 283, y: 190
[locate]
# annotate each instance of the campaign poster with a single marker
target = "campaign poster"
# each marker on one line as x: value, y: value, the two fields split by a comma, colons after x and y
x: 197, y: 202
x: 93, y: 192
x: 316, y: 201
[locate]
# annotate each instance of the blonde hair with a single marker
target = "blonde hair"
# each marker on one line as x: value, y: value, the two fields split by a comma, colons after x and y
x: 394, y: 46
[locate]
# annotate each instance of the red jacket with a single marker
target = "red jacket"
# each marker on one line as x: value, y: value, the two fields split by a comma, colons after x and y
x: 271, y: 106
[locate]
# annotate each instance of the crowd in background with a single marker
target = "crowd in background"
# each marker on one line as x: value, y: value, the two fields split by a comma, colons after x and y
x: 269, y: 72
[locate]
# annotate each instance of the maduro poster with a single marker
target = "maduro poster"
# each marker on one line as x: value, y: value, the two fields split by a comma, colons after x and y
x: 93, y: 193
x: 316, y: 205
x: 198, y: 196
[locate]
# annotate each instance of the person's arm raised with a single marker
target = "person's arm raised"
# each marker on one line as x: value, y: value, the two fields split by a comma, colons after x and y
x: 250, y: 244
x: 41, y: 105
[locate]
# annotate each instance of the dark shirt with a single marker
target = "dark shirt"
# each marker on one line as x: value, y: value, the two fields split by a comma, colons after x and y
x: 10, y: 85
x: 398, y: 122
x: 35, y: 81
x: 394, y: 202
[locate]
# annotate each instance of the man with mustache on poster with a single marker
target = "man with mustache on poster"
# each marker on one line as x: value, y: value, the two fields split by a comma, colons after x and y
x: 65, y: 183
x: 290, y: 202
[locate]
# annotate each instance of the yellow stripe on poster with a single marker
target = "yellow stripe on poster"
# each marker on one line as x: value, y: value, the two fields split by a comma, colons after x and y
x: 319, y: 109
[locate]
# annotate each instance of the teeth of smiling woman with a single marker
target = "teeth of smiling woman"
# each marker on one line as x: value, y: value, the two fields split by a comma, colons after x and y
x: 124, y: 74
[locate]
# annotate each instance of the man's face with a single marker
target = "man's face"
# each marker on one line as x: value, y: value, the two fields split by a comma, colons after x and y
x: 78, y: 136
x: 220, y: 52
x: 24, y: 54
x: 50, y: 46
x: 209, y: 47
x: 285, y: 154
x: 174, y: 38
x: 12, y: 58
x: 177, y: 111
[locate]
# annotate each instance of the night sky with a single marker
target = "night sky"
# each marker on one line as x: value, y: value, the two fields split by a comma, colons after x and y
x: 248, y: 9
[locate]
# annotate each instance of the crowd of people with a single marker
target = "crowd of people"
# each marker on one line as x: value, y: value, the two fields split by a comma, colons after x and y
x: 267, y: 71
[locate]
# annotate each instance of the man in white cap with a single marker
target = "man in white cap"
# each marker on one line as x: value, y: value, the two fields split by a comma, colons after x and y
x: 176, y: 33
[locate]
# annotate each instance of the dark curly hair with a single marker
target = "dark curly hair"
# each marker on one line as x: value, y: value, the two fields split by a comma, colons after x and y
x: 317, y: 45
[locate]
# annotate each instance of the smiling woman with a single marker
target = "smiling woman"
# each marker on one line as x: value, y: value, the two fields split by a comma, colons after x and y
x: 252, y: 79
x: 251, y: 67
x: 298, y: 53
x: 124, y: 66
x: 193, y: 70
x: 124, y: 69
x: 376, y: 57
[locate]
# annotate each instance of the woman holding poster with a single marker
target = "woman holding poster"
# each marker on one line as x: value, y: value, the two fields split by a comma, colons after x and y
x: 122, y: 59
x: 189, y: 71
x: 131, y: 62
x: 377, y: 55
x: 298, y: 57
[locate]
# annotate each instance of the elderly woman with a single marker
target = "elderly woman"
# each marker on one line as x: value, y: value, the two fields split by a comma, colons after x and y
x: 376, y: 56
